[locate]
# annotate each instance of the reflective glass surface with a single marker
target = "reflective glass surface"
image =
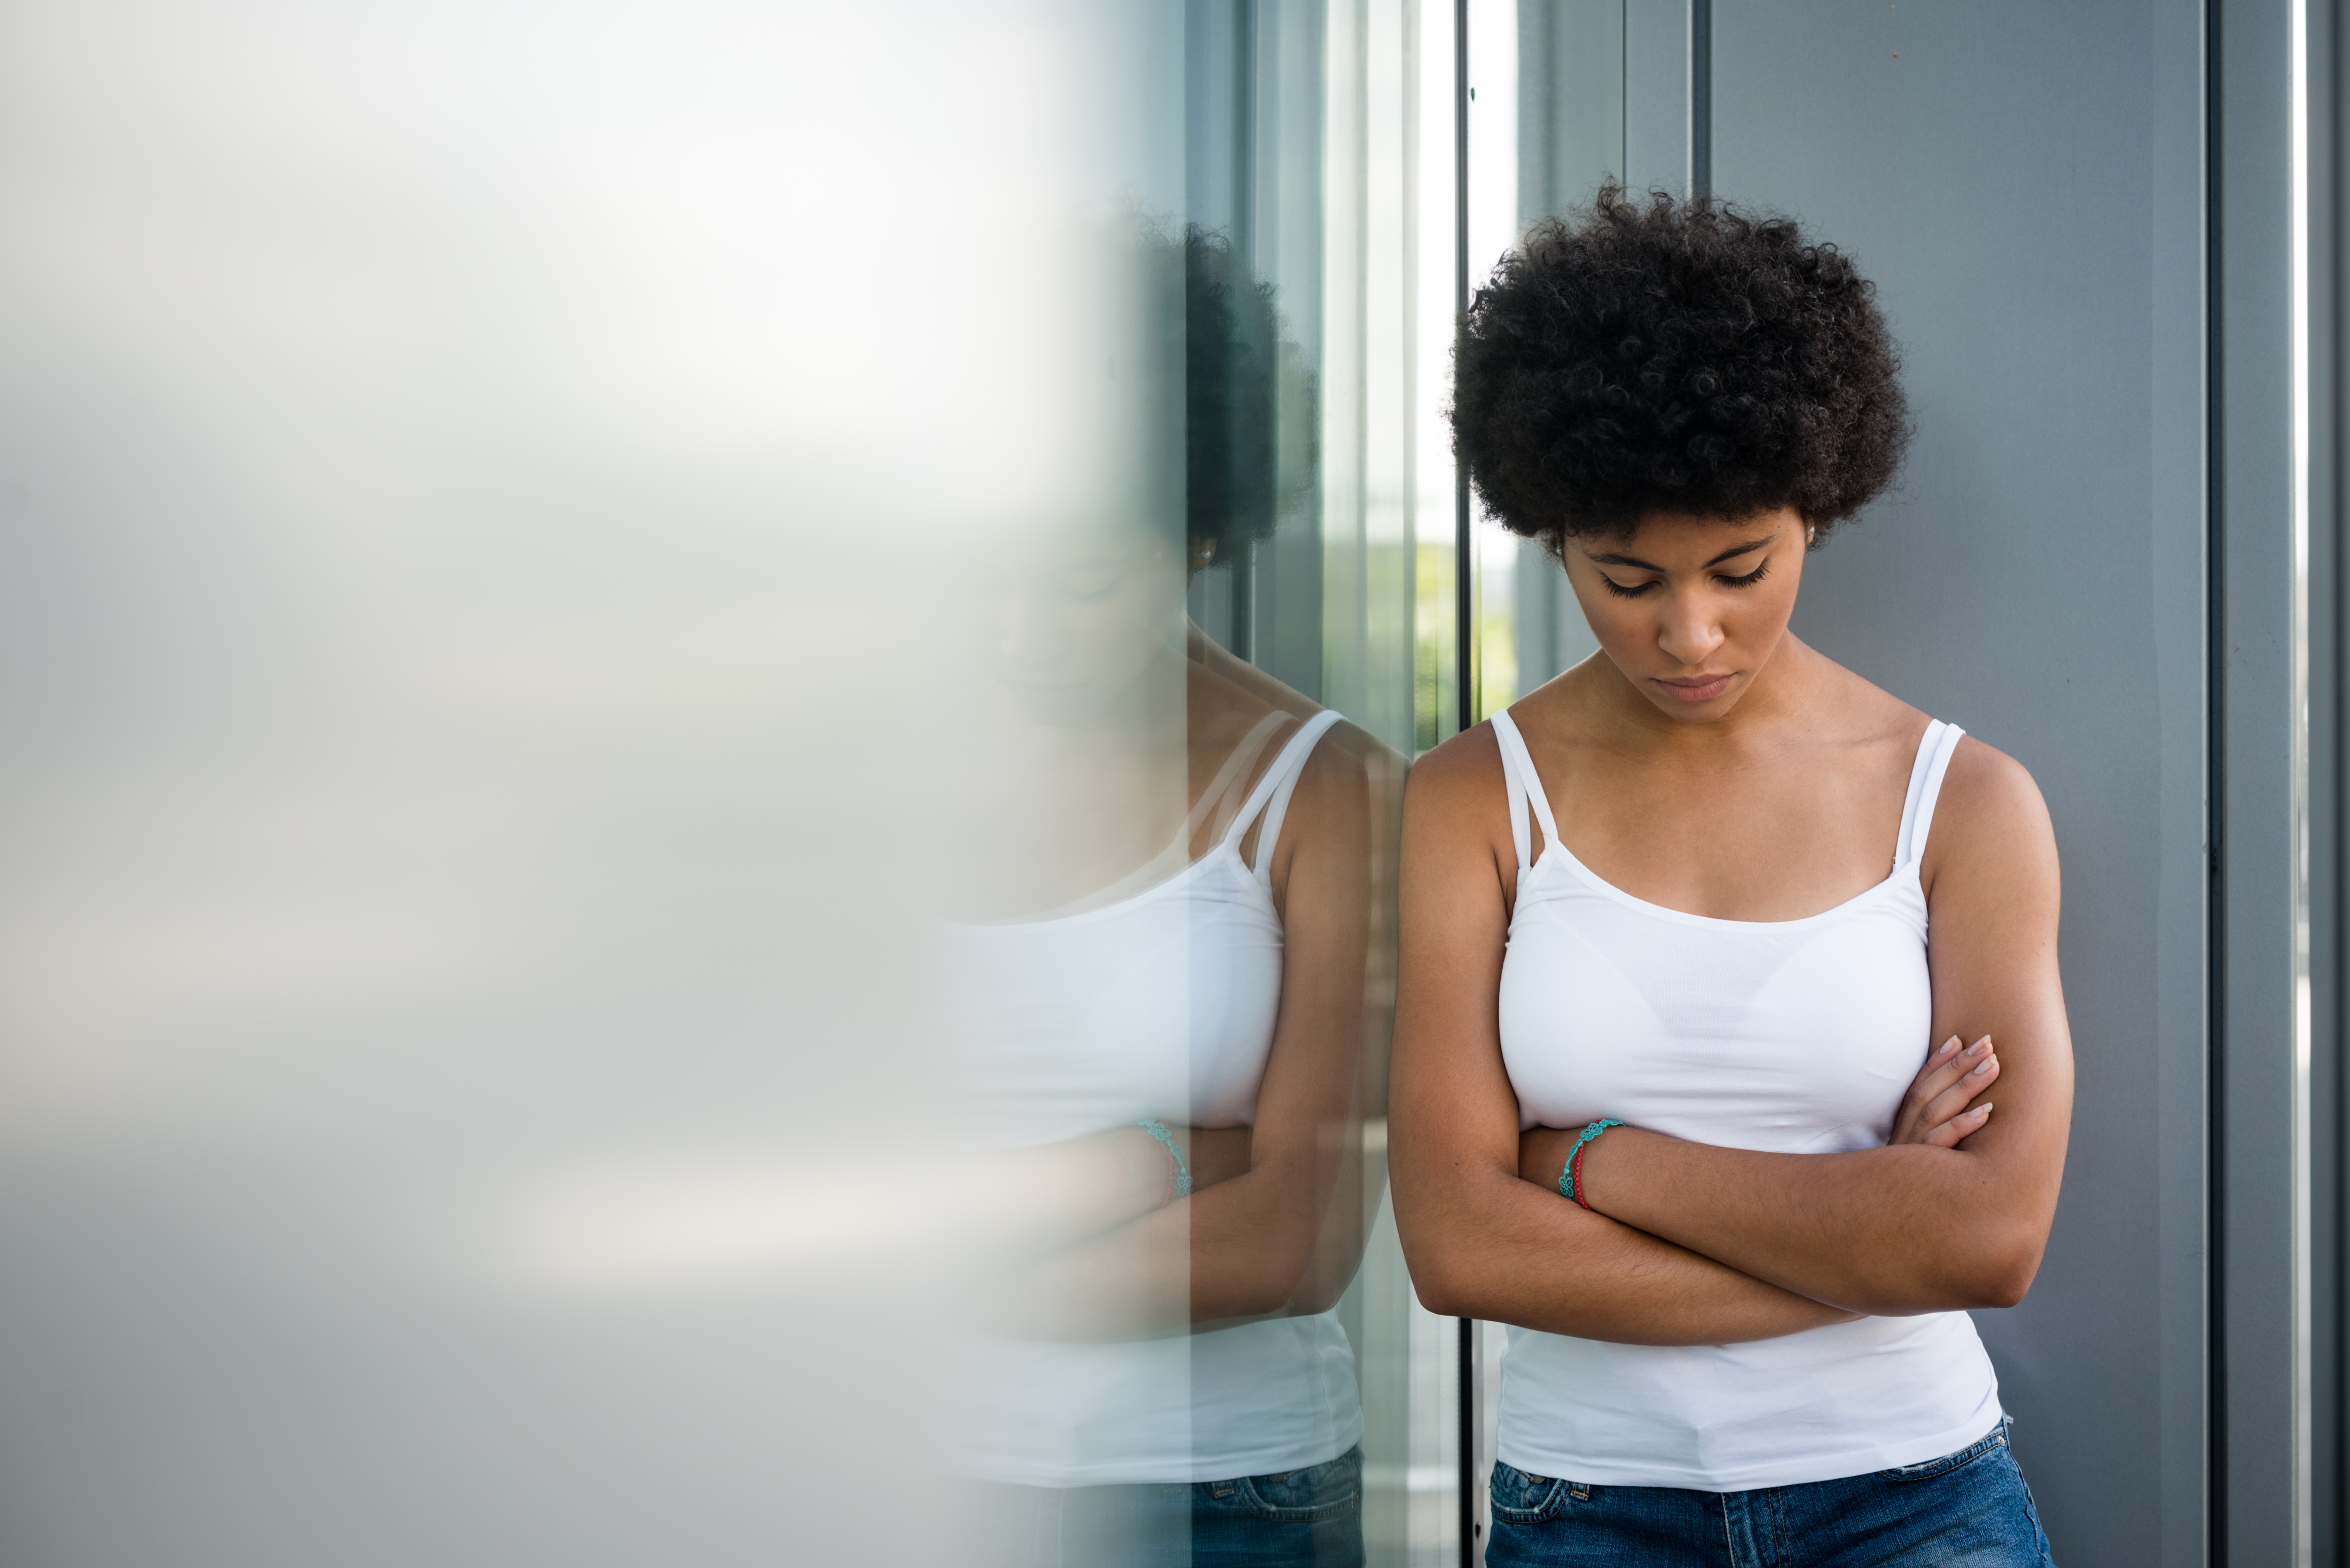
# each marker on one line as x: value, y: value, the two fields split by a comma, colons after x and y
x: 707, y: 707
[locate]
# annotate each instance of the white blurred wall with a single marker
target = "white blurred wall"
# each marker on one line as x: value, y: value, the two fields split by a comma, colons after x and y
x: 484, y: 495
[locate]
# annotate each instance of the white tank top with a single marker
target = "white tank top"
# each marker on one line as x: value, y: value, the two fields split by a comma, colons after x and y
x: 1161, y: 1004
x: 1797, y: 1036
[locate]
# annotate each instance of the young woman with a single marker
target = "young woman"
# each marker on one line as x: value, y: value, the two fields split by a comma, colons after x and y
x: 1684, y: 1090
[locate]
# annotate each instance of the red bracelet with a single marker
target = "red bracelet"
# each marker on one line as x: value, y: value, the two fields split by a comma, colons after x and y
x: 1570, y: 1180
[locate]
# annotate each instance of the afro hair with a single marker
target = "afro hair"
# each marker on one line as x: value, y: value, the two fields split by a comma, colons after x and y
x: 1674, y: 356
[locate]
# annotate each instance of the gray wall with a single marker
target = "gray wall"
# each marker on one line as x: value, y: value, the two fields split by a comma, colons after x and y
x: 2025, y: 183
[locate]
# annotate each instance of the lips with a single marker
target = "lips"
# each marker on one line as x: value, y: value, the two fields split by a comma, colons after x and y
x: 1703, y: 690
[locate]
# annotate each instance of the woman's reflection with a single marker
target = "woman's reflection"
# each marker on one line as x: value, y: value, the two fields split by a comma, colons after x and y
x: 1175, y: 1013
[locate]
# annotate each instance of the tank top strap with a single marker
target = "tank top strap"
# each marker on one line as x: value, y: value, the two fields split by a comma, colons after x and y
x: 1270, y: 796
x: 1525, y: 786
x: 1229, y: 778
x: 1934, y: 749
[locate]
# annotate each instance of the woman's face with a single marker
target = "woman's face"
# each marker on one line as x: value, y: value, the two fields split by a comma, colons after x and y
x: 1078, y: 624
x: 1689, y: 608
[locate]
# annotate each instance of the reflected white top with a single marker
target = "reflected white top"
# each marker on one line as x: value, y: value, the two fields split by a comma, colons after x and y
x: 1161, y: 1004
x: 1799, y: 1036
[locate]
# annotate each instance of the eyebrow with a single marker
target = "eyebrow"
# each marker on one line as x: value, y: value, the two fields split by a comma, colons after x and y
x: 1648, y: 566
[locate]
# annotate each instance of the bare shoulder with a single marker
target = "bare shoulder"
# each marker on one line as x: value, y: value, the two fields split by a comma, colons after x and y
x: 1459, y: 775
x: 1353, y: 752
x: 1349, y: 767
x: 1347, y: 797
x: 1228, y: 698
x: 1986, y: 788
x: 1237, y: 674
x: 1991, y: 816
x: 1456, y: 812
x: 1458, y: 864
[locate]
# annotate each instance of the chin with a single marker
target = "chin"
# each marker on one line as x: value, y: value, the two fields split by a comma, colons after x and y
x: 1704, y: 713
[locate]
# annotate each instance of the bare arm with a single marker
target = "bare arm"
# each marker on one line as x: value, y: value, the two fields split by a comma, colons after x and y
x: 1050, y: 1197
x: 1911, y: 1228
x: 1946, y: 1103
x: 1283, y: 1231
x: 1481, y: 1240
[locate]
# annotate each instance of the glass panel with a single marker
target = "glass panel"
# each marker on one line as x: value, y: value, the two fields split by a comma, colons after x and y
x: 1179, y: 1039
x: 1568, y: 135
x: 1303, y: 123
x: 498, y: 502
x: 675, y: 891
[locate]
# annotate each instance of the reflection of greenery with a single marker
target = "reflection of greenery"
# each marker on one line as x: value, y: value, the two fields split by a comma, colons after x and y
x: 1435, y: 692
x: 1434, y: 704
x: 1497, y: 641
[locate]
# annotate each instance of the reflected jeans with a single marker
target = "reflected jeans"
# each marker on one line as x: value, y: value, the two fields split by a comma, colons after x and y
x: 1967, y: 1510
x: 1296, y: 1519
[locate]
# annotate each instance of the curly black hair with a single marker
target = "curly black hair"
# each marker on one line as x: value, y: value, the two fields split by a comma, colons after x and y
x: 1249, y: 399
x: 1674, y: 355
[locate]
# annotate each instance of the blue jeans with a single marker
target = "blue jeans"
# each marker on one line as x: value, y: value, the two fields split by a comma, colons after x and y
x: 1296, y: 1519
x: 1967, y: 1510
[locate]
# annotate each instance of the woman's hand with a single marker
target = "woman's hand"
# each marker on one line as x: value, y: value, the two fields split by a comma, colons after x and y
x: 1939, y: 1109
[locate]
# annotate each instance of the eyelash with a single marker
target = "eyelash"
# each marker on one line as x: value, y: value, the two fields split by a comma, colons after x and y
x: 1748, y: 581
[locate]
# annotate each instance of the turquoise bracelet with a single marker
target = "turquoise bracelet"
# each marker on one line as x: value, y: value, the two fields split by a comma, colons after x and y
x: 1566, y: 1175
x: 1182, y: 1183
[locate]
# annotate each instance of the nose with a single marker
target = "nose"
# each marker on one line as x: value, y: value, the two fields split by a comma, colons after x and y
x: 1687, y: 627
x: 1031, y: 639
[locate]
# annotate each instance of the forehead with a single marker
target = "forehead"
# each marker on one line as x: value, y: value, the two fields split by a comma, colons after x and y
x: 1684, y: 536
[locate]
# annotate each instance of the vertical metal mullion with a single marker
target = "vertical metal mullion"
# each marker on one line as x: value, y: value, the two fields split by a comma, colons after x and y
x: 1463, y: 674
x: 2215, y: 786
x: 1466, y: 705
x: 2329, y: 591
x: 2327, y: 752
x: 2258, y: 781
x: 1466, y: 1410
x: 1243, y: 241
x: 1701, y: 97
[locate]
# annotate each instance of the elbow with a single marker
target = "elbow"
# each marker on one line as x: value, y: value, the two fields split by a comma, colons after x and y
x: 1256, y: 1303
x: 2001, y: 1273
x: 1448, y: 1249
x: 1314, y: 1299
x: 1990, y: 1269
x: 2007, y: 1284
x: 1441, y: 1286
x: 1281, y: 1282
x: 1439, y: 1300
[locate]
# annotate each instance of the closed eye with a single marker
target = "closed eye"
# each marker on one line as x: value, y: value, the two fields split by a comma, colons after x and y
x: 1634, y: 590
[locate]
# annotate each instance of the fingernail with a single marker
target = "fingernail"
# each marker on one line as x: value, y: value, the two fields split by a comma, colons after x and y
x: 1983, y: 1110
x: 1979, y: 1046
x: 1948, y: 1046
x: 1987, y: 1063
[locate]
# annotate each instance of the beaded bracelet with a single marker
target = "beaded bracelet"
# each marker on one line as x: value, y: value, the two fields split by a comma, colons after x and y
x: 1567, y: 1184
x: 1178, y: 1183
